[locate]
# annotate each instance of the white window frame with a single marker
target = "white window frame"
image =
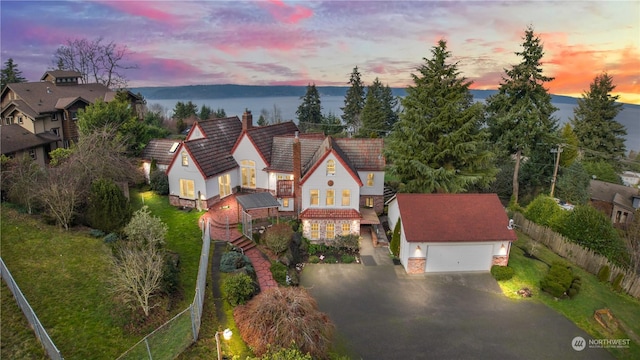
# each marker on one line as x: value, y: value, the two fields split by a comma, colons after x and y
x: 330, y: 230
x: 370, y: 179
x: 314, y: 231
x: 346, y: 197
x: 314, y: 197
x: 330, y: 199
x: 185, y: 158
x: 224, y: 185
x: 187, y: 189
x: 331, y: 167
x: 248, y: 173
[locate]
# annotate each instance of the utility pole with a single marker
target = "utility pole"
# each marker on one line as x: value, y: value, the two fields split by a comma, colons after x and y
x: 555, y: 168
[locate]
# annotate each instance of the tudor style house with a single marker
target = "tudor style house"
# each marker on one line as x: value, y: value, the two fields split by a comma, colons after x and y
x: 332, y: 185
x: 49, y: 108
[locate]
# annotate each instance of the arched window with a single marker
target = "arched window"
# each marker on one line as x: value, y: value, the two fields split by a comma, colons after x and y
x: 185, y: 159
x: 331, y: 167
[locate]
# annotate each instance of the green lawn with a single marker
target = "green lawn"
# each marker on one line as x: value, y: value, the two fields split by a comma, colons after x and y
x: 17, y: 340
x: 593, y: 296
x: 63, y: 275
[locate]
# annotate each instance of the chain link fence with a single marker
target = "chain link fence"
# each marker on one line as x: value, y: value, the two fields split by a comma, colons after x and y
x: 177, y: 334
x: 31, y: 316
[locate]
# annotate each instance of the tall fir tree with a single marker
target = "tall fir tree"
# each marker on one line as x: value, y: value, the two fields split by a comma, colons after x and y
x: 390, y: 104
x: 353, y: 102
x: 570, y: 146
x: 205, y: 112
x: 310, y: 110
x: 373, y: 113
x: 600, y: 136
x: 520, y: 114
x: 10, y: 74
x: 438, y: 143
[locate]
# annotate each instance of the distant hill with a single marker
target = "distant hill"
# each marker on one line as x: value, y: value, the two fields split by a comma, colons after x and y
x: 199, y: 92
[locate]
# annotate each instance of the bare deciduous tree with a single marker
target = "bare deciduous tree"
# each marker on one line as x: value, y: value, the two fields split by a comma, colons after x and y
x: 20, y: 179
x: 97, y: 61
x: 61, y: 193
x: 137, y: 274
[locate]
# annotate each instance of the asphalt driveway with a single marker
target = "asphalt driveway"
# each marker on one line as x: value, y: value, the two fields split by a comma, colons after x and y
x: 382, y: 313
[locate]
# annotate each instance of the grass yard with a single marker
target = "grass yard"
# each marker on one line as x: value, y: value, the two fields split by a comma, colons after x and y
x: 593, y: 295
x: 17, y: 340
x: 63, y: 275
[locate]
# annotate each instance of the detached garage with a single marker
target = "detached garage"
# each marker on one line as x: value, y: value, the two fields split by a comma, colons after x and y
x: 451, y: 232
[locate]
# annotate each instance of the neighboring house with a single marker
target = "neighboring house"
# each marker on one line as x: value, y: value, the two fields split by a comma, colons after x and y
x: 451, y: 232
x: 618, y: 202
x: 161, y: 151
x: 630, y: 178
x: 51, y: 105
x: 16, y: 141
x: 332, y: 185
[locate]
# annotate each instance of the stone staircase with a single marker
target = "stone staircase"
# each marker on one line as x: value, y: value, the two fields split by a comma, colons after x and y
x: 219, y: 231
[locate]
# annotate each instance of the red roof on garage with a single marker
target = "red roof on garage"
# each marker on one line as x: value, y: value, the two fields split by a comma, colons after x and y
x: 453, y: 218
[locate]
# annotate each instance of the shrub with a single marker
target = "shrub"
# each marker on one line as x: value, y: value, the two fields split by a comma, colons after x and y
x: 279, y: 272
x: 314, y: 259
x: 394, y: 245
x: 617, y: 282
x: 238, y: 289
x: 544, y: 210
x: 111, y: 238
x: 171, y: 274
x: 298, y: 319
x: 604, y: 273
x: 330, y: 259
x: 292, y: 353
x: 232, y: 261
x: 501, y: 273
x: 293, y: 278
x: 348, y: 259
x: 159, y: 182
x: 278, y: 237
x: 349, y: 242
x: 558, y: 279
x: 317, y: 248
x: 572, y: 293
x: 96, y: 233
x: 109, y: 209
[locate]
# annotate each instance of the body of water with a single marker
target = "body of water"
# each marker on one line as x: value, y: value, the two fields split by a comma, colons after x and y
x: 287, y: 106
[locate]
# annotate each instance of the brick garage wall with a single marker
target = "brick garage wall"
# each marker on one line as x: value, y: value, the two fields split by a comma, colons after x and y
x: 416, y: 265
x: 502, y: 260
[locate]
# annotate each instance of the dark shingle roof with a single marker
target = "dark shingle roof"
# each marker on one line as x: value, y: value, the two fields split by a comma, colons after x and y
x: 42, y: 97
x: 61, y: 74
x: 262, y: 136
x: 158, y: 149
x: 15, y: 138
x: 364, y: 154
x: 224, y: 130
x: 282, y: 151
x: 453, y: 218
x: 212, y: 158
x: 612, y: 193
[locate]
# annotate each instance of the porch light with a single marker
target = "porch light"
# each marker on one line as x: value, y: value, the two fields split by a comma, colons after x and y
x: 503, y: 250
x: 418, y: 250
x: 224, y: 207
x: 226, y: 334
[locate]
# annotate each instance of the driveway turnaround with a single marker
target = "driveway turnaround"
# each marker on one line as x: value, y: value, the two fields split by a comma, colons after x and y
x: 380, y: 312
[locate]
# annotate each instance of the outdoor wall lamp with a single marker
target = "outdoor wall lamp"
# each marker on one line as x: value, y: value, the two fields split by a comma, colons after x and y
x: 503, y: 250
x: 226, y: 334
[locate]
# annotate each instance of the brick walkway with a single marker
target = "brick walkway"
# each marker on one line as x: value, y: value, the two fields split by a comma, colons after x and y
x: 225, y: 212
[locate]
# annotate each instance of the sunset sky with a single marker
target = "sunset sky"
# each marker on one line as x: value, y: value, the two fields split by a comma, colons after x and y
x: 300, y: 42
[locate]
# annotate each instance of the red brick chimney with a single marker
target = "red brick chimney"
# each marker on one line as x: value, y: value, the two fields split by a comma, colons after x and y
x: 297, y: 173
x: 247, y: 120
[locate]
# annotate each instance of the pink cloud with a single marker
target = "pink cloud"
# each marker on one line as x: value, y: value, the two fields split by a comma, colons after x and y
x: 144, y: 9
x: 288, y: 14
x: 275, y: 39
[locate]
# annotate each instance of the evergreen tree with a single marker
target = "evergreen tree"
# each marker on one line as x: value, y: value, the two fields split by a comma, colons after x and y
x: 599, y: 134
x: 570, y: 146
x: 331, y: 124
x: 205, y: 112
x: 520, y: 114
x: 573, y: 184
x: 310, y: 111
x: 10, y: 74
x: 109, y: 209
x: 354, y: 101
x: 219, y: 114
x: 438, y: 144
x: 390, y: 104
x: 373, y: 113
x: 184, y: 111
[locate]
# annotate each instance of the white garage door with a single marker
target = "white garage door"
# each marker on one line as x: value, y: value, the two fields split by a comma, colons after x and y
x: 441, y: 258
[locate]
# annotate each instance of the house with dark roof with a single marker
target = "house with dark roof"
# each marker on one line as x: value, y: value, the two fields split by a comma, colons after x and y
x: 51, y: 105
x: 451, y: 232
x: 161, y: 152
x: 620, y: 203
x: 332, y: 185
x: 16, y: 142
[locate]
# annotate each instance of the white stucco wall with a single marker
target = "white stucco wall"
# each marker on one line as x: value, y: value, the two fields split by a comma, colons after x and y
x: 246, y: 151
x: 411, y: 250
x: 341, y: 180
x: 195, y: 134
x: 393, y: 213
x: 189, y: 172
x: 378, y: 183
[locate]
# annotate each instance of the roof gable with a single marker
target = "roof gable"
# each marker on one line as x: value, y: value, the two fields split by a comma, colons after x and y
x: 453, y: 218
x: 321, y: 161
x: 42, y: 97
x: 160, y: 150
x: 262, y: 137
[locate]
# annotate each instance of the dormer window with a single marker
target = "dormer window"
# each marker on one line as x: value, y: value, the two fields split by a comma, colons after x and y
x: 331, y: 167
x: 185, y: 159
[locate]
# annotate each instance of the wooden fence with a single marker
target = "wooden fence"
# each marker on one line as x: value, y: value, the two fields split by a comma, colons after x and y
x: 577, y: 254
